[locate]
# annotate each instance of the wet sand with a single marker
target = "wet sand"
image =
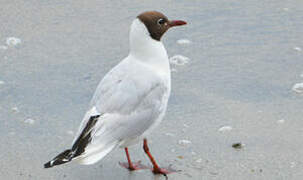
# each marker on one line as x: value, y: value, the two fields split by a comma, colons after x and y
x: 244, y: 59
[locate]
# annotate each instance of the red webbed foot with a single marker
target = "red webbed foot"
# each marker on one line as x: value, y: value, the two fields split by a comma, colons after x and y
x: 134, y: 166
x: 164, y: 171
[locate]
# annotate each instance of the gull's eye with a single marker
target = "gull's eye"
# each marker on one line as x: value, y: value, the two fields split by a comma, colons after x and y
x: 161, y: 21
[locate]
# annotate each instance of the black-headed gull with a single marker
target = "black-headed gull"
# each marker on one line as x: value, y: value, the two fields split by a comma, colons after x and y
x: 130, y: 101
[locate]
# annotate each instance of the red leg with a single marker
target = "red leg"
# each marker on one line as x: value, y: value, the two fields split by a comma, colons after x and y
x: 132, y: 166
x: 156, y: 168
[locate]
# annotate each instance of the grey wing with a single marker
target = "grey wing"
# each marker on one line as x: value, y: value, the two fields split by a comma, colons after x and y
x: 128, y: 105
x: 132, y: 106
x: 125, y: 87
x: 106, y: 87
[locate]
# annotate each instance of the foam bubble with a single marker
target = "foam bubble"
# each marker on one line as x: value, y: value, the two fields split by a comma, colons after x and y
x: 173, y: 70
x: 29, y: 121
x: 185, y: 125
x: 199, y: 160
x: 293, y: 164
x: 179, y: 60
x: 70, y: 132
x: 13, y: 41
x: 297, y: 48
x: 169, y: 134
x: 184, y: 142
x: 183, y: 41
x: 15, y: 109
x: 298, y: 88
x: 3, y: 47
x: 225, y: 129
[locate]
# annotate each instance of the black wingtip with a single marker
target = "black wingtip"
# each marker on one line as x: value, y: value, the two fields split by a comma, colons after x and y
x: 62, y: 158
x: 47, y: 165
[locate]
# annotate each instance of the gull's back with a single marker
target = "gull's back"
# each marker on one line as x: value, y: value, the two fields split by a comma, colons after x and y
x: 131, y: 99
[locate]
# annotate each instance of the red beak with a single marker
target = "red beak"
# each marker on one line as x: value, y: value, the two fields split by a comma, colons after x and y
x: 176, y: 23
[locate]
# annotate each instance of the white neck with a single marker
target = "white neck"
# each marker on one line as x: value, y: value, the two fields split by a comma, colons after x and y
x: 146, y: 49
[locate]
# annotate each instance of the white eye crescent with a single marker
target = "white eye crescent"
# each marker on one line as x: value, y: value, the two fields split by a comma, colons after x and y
x: 161, y: 21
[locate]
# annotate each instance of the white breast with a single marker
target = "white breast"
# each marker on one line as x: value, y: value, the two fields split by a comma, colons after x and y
x: 147, y: 50
x: 132, y: 98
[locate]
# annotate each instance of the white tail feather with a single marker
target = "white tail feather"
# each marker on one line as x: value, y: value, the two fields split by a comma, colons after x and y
x: 94, y: 155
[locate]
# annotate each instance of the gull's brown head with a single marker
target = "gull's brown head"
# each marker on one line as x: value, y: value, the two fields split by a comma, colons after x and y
x: 157, y: 23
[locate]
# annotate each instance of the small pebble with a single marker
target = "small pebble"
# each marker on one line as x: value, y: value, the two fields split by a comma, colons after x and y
x: 238, y: 145
x: 87, y: 77
x: 281, y: 121
x: 2, y: 82
x: 180, y: 157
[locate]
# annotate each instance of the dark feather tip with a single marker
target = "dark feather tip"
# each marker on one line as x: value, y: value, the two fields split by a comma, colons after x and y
x: 47, y: 165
